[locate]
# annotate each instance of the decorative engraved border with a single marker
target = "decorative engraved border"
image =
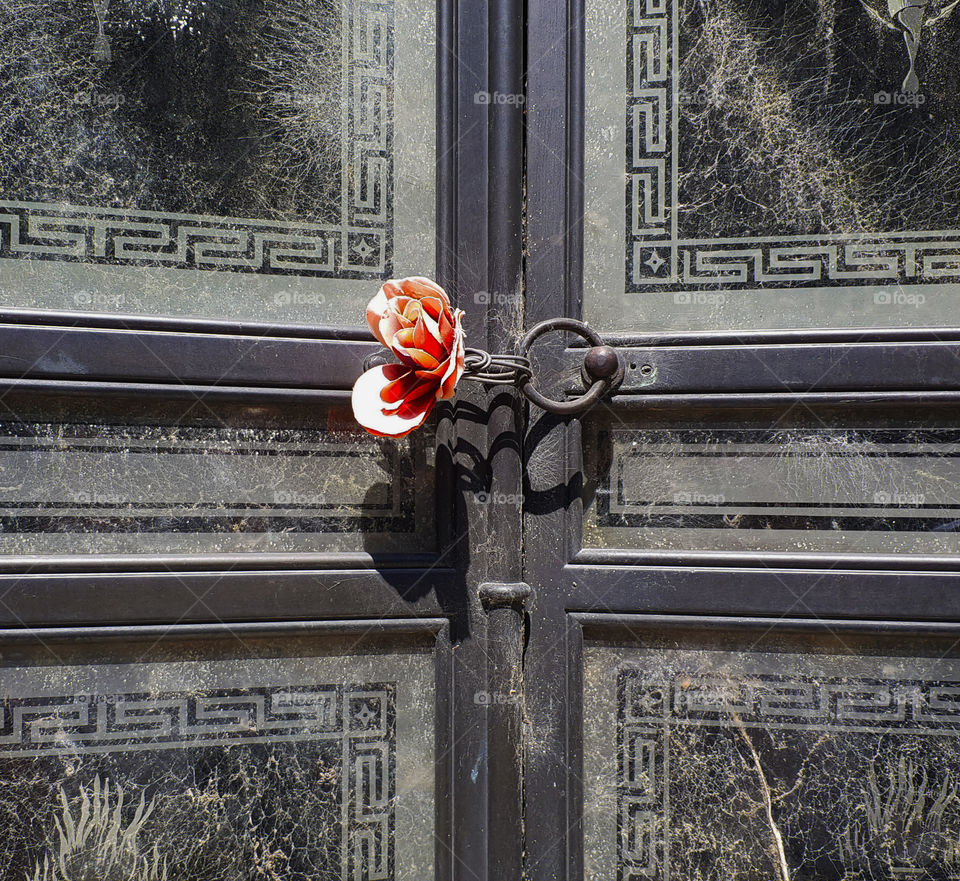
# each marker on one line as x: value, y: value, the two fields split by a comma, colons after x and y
x: 648, y: 707
x: 907, y: 706
x: 643, y: 793
x: 891, y: 259
x: 658, y: 258
x: 360, y: 718
x: 85, y: 511
x: 690, y: 509
x: 359, y: 247
x: 651, y: 139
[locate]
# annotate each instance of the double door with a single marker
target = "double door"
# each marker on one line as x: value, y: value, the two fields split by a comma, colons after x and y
x: 707, y: 629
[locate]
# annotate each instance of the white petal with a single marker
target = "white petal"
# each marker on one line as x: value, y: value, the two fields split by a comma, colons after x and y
x: 456, y: 352
x: 375, y: 309
x: 368, y: 407
x: 431, y: 325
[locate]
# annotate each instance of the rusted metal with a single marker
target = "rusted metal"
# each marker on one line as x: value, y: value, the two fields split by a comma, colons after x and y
x: 602, y: 364
x: 602, y: 369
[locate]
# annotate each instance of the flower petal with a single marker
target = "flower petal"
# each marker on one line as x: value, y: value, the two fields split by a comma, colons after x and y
x: 400, y: 387
x: 368, y: 408
x: 391, y: 288
x: 389, y: 325
x: 436, y: 374
x: 410, y: 309
x: 446, y: 330
x: 404, y: 344
x: 420, y: 287
x: 423, y: 338
x: 415, y: 397
x: 375, y: 312
x: 454, y: 370
x: 422, y: 407
x: 433, y: 313
x: 434, y: 307
x: 423, y: 360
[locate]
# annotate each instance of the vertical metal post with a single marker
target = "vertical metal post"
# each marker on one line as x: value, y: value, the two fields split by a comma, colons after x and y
x: 486, y: 229
x: 503, y: 594
x: 504, y: 604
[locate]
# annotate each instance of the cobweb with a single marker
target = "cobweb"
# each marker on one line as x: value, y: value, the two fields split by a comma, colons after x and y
x: 225, y: 108
x: 781, y: 129
x: 237, y: 814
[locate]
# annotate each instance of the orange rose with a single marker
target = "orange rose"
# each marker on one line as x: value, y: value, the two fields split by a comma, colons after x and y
x: 414, y: 319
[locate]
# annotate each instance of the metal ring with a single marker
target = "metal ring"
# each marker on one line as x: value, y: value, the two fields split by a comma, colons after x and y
x: 490, y: 369
x: 476, y: 360
x: 598, y: 388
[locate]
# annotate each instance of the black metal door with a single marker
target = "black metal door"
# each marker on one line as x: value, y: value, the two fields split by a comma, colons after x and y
x: 242, y: 638
x: 707, y: 630
x: 742, y: 629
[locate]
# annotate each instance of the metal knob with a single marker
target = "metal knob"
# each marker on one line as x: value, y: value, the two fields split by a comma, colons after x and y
x: 602, y: 362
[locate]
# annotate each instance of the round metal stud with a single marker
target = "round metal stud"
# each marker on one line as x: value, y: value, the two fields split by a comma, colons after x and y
x: 601, y: 362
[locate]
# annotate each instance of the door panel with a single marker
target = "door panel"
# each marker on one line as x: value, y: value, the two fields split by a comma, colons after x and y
x: 262, y: 163
x: 148, y: 477
x: 753, y: 166
x: 222, y: 752
x: 795, y: 480
x: 806, y: 751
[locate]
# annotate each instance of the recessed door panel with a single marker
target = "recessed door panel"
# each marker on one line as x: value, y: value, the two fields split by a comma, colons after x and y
x: 265, y: 162
x: 762, y: 755
x: 238, y: 757
x: 78, y: 477
x: 779, y: 480
x: 753, y: 166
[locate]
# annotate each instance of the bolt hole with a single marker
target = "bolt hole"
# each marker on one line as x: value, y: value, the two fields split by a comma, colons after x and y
x: 633, y: 366
x: 646, y: 370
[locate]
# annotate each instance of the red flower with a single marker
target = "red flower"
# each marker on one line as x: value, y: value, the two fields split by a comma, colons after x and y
x: 414, y: 319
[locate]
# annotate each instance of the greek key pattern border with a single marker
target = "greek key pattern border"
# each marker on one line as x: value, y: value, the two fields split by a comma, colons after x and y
x: 360, y: 246
x: 360, y: 719
x: 907, y: 259
x: 651, y: 175
x: 649, y: 707
x: 85, y: 723
x: 658, y: 258
x: 916, y: 706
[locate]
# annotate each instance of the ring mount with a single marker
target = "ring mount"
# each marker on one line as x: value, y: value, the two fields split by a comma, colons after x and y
x: 602, y: 370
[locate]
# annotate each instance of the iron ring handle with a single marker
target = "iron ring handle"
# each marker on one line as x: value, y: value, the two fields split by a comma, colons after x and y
x: 602, y: 365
